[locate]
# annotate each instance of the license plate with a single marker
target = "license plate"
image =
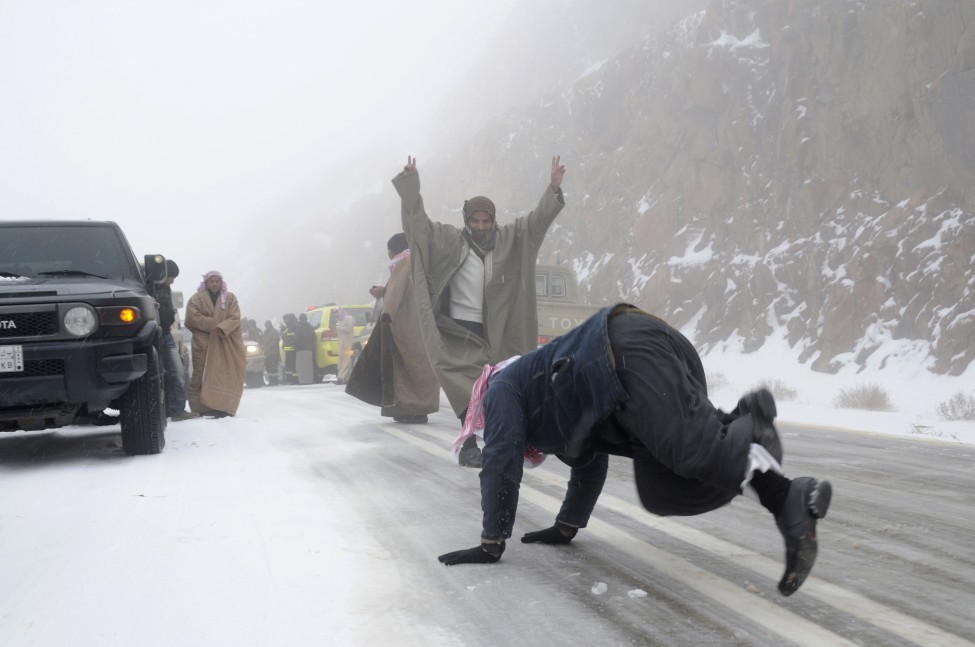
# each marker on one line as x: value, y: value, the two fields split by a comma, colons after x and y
x: 11, y: 359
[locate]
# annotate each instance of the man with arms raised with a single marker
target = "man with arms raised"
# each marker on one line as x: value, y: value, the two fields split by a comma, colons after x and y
x: 475, y: 285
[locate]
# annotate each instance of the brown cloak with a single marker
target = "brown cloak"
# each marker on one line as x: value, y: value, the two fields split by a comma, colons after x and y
x: 393, y: 372
x: 219, y: 357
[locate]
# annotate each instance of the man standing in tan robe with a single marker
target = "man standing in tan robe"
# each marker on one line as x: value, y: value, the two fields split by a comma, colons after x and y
x: 219, y: 357
x: 393, y: 371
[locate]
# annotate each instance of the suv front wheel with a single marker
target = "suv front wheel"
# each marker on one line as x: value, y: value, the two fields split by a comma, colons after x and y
x: 143, y: 413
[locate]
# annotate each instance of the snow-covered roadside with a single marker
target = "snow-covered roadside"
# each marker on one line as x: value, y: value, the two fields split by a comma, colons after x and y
x: 269, y: 528
x: 913, y: 391
x: 226, y: 538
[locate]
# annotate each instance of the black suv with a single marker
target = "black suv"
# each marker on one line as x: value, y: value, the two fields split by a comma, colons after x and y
x: 78, y: 331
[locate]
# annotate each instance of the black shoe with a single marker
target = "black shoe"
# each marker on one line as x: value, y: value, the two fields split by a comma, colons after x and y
x: 807, y: 501
x: 411, y: 420
x: 470, y: 457
x: 761, y: 405
x: 103, y: 419
x: 470, y: 453
x: 215, y: 413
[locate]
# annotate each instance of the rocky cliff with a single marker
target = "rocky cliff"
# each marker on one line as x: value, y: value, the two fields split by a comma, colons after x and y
x: 804, y: 166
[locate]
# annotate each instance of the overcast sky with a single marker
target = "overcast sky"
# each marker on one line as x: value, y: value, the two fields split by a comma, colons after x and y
x: 182, y: 119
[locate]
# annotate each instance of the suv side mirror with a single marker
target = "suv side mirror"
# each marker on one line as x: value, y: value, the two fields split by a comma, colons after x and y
x: 155, y: 268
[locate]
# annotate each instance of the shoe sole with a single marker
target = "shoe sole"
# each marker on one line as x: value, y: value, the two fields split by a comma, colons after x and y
x: 766, y: 435
x: 761, y: 406
x: 819, y: 499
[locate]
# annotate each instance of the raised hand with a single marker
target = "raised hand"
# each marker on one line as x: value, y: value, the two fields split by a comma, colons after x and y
x: 558, y: 172
x: 410, y: 165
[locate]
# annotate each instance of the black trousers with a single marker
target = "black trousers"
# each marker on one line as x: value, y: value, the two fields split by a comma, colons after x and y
x: 685, y: 460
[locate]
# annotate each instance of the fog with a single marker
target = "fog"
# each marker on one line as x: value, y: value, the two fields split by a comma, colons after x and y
x: 210, y: 130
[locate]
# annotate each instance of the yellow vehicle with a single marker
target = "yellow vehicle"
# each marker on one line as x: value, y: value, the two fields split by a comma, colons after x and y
x: 322, y: 319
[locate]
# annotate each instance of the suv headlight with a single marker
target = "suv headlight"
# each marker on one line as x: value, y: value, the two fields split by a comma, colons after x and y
x: 80, y: 321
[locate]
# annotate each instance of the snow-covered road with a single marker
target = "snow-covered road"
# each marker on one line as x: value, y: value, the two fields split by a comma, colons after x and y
x: 310, y: 520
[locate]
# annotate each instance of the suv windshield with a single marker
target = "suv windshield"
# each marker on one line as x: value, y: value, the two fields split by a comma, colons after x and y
x: 81, y: 251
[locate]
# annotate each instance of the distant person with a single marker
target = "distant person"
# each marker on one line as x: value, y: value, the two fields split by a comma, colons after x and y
x: 252, y: 332
x: 219, y: 358
x: 306, y: 334
x: 628, y: 384
x: 305, y: 343
x: 475, y: 285
x: 175, y: 380
x: 393, y: 371
x: 289, y: 348
x: 272, y: 352
x: 345, y: 331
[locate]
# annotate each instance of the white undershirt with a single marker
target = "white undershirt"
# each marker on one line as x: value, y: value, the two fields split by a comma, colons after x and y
x: 467, y: 290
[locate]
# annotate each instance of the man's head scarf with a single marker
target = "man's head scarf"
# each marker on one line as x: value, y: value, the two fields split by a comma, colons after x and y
x: 223, y: 286
x: 478, y: 203
x: 484, y: 242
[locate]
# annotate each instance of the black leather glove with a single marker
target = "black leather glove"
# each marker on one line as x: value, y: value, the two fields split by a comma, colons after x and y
x: 557, y: 534
x: 483, y: 554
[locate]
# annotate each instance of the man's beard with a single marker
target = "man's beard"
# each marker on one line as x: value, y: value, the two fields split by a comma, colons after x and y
x: 482, y: 240
x: 479, y: 236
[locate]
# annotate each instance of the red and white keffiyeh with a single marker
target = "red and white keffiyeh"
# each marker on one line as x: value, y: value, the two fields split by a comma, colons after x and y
x: 474, y: 422
x: 396, y: 259
x: 223, y: 286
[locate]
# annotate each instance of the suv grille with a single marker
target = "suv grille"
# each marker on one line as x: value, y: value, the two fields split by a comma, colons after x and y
x: 38, y: 368
x: 30, y: 324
